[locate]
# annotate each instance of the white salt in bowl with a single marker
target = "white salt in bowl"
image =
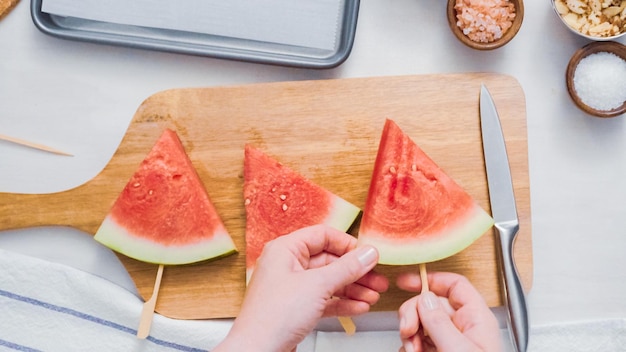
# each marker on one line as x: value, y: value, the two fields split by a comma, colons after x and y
x: 596, y: 78
x: 582, y: 25
x: 504, y: 39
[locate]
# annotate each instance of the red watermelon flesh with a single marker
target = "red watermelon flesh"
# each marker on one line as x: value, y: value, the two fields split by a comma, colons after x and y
x: 414, y: 212
x: 164, y: 214
x: 279, y: 200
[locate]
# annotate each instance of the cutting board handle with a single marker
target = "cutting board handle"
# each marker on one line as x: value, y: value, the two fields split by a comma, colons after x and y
x: 74, y: 208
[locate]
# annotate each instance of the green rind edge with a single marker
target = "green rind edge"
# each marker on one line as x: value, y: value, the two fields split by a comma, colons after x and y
x: 433, y: 247
x: 119, y: 239
x: 342, y: 214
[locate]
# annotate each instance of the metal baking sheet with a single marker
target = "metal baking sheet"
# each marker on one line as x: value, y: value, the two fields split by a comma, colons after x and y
x: 203, y: 44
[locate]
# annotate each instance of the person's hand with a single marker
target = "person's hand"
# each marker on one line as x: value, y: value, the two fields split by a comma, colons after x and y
x: 299, y: 278
x: 453, y: 314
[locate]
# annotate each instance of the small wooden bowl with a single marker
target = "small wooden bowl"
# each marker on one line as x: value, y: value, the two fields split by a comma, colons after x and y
x: 591, y: 48
x: 510, y: 33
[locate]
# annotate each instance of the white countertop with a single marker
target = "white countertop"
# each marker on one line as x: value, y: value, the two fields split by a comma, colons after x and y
x: 80, y: 97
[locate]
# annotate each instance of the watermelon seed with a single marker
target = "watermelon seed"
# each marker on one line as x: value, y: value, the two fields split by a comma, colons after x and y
x: 283, y: 197
x: 136, y: 184
x: 392, y: 170
x: 285, y: 207
x: 247, y: 201
x: 414, y: 167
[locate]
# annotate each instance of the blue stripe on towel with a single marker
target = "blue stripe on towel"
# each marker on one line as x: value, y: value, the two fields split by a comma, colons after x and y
x: 17, y: 347
x: 88, y: 317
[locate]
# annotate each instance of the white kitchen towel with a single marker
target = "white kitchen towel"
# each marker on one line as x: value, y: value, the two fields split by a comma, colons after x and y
x: 45, y: 306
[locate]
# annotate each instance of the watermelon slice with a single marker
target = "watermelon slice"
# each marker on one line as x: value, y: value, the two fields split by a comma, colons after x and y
x: 279, y: 200
x: 414, y: 212
x: 164, y: 214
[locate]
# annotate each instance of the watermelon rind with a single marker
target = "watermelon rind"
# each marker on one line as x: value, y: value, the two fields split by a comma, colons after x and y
x: 431, y: 247
x: 342, y: 214
x: 119, y: 239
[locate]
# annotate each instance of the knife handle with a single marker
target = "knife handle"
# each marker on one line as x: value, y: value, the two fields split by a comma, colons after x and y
x: 511, y: 285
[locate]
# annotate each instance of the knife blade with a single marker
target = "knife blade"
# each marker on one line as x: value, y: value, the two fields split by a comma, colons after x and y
x: 504, y: 212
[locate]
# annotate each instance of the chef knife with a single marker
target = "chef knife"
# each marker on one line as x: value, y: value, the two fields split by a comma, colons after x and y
x: 504, y: 212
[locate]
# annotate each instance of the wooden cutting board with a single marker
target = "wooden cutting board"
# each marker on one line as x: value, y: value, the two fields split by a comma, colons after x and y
x: 329, y: 131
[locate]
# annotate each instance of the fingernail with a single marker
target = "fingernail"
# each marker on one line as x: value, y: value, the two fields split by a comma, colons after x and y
x: 367, y: 256
x: 430, y: 300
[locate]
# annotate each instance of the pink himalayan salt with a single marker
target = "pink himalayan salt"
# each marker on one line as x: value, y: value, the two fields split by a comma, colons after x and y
x: 484, y: 21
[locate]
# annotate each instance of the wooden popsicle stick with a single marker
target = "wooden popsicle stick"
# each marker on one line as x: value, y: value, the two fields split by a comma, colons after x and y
x: 425, y: 288
x: 348, y: 325
x: 33, y: 145
x: 148, y: 307
x: 424, y: 278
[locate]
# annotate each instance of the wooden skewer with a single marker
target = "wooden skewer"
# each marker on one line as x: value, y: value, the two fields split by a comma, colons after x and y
x: 33, y: 145
x: 148, y: 307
